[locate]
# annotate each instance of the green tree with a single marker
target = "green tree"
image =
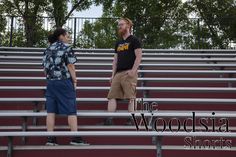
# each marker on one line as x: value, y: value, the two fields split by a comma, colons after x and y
x: 18, y: 35
x: 2, y: 25
x: 29, y: 10
x: 153, y: 21
x: 59, y: 9
x: 217, y: 21
x: 101, y: 34
x: 18, y: 40
x: 170, y: 24
x: 3, y: 20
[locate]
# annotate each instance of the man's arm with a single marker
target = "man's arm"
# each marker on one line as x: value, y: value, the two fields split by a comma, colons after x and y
x: 70, y: 60
x: 71, y: 68
x: 114, y: 65
x: 138, y: 54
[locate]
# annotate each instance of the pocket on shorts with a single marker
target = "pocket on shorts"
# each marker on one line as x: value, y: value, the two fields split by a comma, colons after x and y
x: 49, y: 89
x: 69, y: 84
x: 132, y: 79
x: 68, y: 89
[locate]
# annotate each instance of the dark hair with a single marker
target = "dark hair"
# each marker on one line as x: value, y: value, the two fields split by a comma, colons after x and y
x: 58, y: 32
x: 51, y: 38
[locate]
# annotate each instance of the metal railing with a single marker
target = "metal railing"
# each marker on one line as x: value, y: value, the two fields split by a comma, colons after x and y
x: 84, y: 34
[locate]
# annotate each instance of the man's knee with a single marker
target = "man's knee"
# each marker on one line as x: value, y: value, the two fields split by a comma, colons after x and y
x: 132, y: 101
x: 111, y: 105
x: 111, y: 101
x: 51, y: 115
x: 132, y: 105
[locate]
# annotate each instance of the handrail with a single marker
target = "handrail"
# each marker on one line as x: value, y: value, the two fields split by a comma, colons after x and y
x: 158, y: 100
x: 8, y: 70
x: 142, y: 64
x: 144, y: 59
x: 117, y: 133
x: 194, y: 89
x: 158, y: 113
x: 111, y: 50
x: 159, y: 79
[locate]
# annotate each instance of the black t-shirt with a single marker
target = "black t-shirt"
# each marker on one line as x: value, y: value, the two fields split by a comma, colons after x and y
x: 125, y: 50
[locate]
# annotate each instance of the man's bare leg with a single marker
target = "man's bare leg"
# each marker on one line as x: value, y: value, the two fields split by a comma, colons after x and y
x: 72, y: 121
x: 50, y: 121
x: 132, y: 105
x: 76, y: 140
x: 111, y: 107
x: 112, y: 104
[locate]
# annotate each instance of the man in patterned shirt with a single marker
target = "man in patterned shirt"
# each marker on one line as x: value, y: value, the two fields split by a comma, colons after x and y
x: 58, y: 63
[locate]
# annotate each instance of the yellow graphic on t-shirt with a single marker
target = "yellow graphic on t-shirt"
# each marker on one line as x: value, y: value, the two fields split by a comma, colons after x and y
x: 123, y: 47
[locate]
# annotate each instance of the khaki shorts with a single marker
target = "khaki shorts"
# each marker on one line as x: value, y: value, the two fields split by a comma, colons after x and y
x: 123, y: 86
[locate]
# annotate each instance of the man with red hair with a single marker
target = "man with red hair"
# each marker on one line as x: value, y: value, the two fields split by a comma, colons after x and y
x: 127, y: 58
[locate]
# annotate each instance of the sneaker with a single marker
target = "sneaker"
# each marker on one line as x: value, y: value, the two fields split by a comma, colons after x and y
x: 78, y: 141
x: 107, y: 121
x: 129, y: 122
x: 51, y: 141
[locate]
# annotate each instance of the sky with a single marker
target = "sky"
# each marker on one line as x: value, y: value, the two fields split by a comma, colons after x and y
x: 93, y: 11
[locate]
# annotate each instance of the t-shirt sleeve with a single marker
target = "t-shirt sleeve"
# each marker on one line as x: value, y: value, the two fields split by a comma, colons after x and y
x: 136, y: 44
x: 70, y: 57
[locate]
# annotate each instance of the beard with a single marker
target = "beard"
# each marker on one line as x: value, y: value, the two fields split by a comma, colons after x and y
x: 122, y: 32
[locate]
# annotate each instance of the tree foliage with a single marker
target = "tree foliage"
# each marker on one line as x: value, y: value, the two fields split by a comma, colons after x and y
x: 157, y: 23
x: 171, y: 24
x: 32, y: 11
x: 29, y: 10
x: 218, y: 21
x: 101, y: 34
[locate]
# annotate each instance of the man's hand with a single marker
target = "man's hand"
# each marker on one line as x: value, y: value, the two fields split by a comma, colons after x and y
x: 131, y: 73
x: 75, y: 85
x: 71, y: 68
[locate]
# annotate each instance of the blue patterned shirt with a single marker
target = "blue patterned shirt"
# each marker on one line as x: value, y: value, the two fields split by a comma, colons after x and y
x: 55, y: 60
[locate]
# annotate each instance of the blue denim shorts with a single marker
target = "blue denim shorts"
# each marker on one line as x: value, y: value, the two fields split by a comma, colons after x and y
x: 61, y: 97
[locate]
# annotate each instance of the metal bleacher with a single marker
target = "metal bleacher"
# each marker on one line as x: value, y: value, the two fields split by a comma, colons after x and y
x: 171, y: 84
